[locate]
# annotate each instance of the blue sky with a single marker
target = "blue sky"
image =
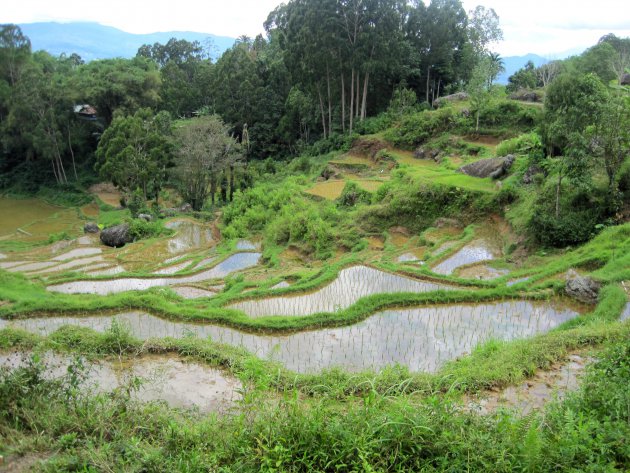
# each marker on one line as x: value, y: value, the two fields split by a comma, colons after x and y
x: 546, y: 27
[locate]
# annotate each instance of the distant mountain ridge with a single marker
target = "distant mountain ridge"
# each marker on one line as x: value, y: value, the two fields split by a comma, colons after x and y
x: 514, y: 63
x: 95, y: 41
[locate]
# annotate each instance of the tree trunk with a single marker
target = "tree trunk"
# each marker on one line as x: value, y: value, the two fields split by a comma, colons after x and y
x: 351, y: 100
x: 558, y: 188
x: 329, y: 100
x: 365, y: 87
x: 343, y: 104
x: 213, y: 189
x: 74, y: 166
x: 321, y: 109
x: 231, y: 182
x: 52, y: 161
x: 357, y: 100
x: 428, y: 82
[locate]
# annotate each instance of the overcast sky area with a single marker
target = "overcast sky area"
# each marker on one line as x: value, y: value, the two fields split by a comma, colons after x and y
x: 546, y: 27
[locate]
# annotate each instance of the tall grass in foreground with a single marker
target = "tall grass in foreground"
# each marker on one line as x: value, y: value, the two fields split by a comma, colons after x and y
x: 377, y: 432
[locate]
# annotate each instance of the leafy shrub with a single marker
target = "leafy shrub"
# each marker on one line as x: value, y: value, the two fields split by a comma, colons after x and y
x: 352, y: 194
x: 578, y: 220
x: 528, y: 143
x: 372, y: 125
x: 137, y: 204
x: 140, y: 229
x: 509, y: 114
x: 416, y: 129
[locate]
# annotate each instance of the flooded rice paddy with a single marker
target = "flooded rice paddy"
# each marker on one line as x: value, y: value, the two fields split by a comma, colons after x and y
x: 235, y: 262
x: 189, y: 236
x: 350, y: 285
x: 163, y: 378
x: 422, y: 339
x: 474, y: 252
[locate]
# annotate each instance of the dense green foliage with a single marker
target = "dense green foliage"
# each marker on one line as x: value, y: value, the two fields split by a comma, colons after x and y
x: 256, y: 134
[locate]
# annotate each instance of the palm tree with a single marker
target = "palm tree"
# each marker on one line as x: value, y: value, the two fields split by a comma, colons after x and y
x: 497, y: 66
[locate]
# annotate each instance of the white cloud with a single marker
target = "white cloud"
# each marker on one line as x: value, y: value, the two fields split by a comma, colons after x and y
x: 546, y: 27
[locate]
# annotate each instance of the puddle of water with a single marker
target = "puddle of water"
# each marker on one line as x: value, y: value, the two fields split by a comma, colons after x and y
x: 169, y: 379
x: 350, y: 285
x: 516, y: 281
x: 172, y: 269
x: 472, y: 253
x: 444, y: 246
x: 190, y: 235
x: 625, y: 315
x: 481, y: 271
x: 79, y: 252
x: 11, y: 264
x: 205, y: 262
x: 189, y: 292
x: 407, y: 257
x: 32, y: 266
x: 280, y: 285
x: 85, y: 240
x: 245, y: 245
x: 534, y: 393
x: 72, y: 264
x: 108, y: 272
x: 236, y: 262
x: 421, y: 339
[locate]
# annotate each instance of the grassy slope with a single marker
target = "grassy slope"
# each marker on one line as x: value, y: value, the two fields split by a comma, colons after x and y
x: 388, y: 421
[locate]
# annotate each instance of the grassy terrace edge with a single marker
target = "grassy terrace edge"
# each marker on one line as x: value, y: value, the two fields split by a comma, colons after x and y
x: 492, y: 364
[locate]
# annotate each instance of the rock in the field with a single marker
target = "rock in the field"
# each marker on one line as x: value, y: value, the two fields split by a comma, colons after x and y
x: 625, y: 79
x: 116, y: 236
x: 528, y: 177
x: 145, y: 217
x: 169, y: 212
x: 493, y: 167
x: 525, y: 95
x: 186, y: 208
x: 582, y: 288
x: 424, y: 153
x: 458, y: 97
x: 90, y: 227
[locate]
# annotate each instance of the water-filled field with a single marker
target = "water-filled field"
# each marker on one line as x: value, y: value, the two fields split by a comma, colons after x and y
x: 350, y: 285
x: 164, y: 378
x: 421, y: 339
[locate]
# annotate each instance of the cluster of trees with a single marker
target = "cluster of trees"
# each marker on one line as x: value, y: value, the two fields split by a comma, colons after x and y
x: 42, y: 137
x: 609, y: 60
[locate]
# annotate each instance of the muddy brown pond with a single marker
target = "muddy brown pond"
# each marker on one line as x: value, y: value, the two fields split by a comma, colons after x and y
x: 350, y: 285
x: 421, y: 339
x: 163, y: 378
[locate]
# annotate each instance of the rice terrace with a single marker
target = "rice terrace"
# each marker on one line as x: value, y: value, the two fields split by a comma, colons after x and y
x: 334, y: 246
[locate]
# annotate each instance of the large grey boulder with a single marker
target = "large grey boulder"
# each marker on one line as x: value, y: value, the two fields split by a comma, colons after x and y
x: 524, y: 95
x: 90, y: 227
x: 116, y: 236
x: 457, y: 97
x: 493, y: 167
x: 582, y: 288
x: 625, y: 79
